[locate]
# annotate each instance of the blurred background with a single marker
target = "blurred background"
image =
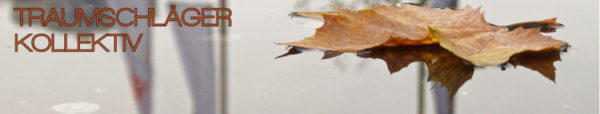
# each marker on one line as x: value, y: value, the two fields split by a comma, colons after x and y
x: 232, y: 70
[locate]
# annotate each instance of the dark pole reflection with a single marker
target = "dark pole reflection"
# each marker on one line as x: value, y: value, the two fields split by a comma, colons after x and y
x: 444, y: 104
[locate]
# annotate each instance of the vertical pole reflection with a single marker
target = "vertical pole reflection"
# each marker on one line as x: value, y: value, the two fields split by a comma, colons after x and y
x: 421, y: 81
x: 443, y: 102
x: 140, y: 62
x: 223, y: 34
x: 195, y: 46
x: 421, y: 85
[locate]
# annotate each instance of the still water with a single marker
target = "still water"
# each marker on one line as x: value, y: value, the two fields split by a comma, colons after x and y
x: 350, y: 84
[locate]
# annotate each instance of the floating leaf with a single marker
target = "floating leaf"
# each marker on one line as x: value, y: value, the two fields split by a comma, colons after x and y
x: 495, y: 47
x: 463, y: 32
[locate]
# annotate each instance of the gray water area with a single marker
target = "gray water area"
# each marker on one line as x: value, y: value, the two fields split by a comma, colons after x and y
x: 301, y: 84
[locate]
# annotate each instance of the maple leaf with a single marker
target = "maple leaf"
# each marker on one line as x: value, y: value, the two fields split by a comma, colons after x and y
x: 495, y: 47
x: 463, y: 32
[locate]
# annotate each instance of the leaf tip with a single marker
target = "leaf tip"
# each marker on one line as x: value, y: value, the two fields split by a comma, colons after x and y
x: 330, y: 54
x: 293, y: 51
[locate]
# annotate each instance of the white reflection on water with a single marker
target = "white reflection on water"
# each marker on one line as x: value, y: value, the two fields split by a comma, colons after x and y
x: 76, y: 108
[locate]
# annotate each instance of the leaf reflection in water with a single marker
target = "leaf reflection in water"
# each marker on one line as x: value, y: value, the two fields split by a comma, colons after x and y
x: 443, y: 66
x: 542, y: 62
